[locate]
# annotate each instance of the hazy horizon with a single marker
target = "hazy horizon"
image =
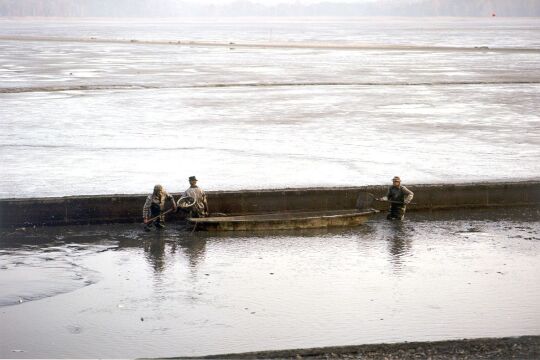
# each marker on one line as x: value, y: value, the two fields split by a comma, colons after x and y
x: 270, y: 8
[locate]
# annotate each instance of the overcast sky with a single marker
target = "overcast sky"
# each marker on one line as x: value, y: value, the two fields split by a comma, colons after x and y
x: 275, y: 2
x: 274, y: 8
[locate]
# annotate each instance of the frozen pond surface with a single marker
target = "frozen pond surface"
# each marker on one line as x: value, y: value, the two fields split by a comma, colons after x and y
x: 116, y: 291
x: 94, y: 118
x: 492, y: 32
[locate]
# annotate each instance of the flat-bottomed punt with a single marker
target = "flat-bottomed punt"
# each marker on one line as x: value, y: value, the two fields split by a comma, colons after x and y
x: 284, y: 220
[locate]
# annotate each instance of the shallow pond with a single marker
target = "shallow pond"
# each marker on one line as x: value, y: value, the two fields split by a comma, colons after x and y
x: 116, y: 291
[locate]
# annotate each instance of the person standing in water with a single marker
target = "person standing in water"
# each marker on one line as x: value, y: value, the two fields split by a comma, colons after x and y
x: 398, y: 196
x: 154, y: 205
x: 200, y: 208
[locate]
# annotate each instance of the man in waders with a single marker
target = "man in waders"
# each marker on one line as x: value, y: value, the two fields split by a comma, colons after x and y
x: 200, y: 208
x: 154, y: 205
x: 398, y: 196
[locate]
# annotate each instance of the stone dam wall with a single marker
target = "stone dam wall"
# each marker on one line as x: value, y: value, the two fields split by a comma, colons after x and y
x: 128, y: 208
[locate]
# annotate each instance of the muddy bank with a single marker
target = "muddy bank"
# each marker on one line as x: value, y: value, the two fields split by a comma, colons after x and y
x: 524, y: 347
x: 128, y: 208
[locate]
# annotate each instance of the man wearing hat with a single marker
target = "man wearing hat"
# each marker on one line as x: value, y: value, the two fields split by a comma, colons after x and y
x: 153, y: 207
x: 398, y: 196
x: 200, y: 208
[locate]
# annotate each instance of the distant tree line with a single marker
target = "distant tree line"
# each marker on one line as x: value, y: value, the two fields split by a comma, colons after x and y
x: 136, y: 8
x: 99, y: 8
x: 473, y: 8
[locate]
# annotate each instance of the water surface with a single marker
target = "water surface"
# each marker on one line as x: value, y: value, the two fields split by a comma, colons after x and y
x: 116, y: 291
x: 100, y: 118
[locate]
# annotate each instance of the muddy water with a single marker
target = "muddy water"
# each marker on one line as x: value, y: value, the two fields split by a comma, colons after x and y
x: 302, y: 117
x: 116, y: 291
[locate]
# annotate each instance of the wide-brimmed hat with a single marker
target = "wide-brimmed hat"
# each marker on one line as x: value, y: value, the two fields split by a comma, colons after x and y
x: 193, y: 178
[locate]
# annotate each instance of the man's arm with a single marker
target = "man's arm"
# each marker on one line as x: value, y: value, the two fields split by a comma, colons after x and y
x: 385, y: 197
x: 146, y: 209
x: 205, y: 202
x: 409, y: 194
x: 170, y: 197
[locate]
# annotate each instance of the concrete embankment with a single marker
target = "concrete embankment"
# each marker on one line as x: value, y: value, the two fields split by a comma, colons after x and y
x: 128, y: 208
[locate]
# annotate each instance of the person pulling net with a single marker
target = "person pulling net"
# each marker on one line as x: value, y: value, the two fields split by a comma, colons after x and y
x: 398, y: 196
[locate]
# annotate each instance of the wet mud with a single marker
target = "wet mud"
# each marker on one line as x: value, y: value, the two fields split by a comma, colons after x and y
x: 524, y: 347
x: 117, y: 291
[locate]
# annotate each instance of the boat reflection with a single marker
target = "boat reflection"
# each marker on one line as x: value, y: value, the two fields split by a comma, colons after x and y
x: 172, y: 248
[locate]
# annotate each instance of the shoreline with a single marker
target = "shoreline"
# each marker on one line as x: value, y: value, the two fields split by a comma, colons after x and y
x: 521, y: 347
x: 275, y: 44
x: 99, y: 209
x: 97, y: 87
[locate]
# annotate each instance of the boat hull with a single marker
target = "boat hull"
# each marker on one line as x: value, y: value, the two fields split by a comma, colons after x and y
x: 283, y: 221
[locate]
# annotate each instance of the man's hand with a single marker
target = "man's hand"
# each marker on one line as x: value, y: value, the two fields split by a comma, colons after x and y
x: 145, y: 220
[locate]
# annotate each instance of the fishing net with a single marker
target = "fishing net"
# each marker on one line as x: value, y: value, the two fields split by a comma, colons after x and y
x: 364, y: 201
x: 185, y: 202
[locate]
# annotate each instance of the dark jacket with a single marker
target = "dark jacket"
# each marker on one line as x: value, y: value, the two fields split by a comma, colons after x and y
x: 400, y: 194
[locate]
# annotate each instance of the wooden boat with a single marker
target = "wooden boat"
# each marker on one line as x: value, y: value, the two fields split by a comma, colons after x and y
x: 284, y: 220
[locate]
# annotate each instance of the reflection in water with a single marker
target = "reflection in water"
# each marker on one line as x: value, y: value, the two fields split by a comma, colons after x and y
x: 159, y: 244
x: 155, y: 253
x: 194, y: 248
x: 400, y: 243
x: 280, y: 289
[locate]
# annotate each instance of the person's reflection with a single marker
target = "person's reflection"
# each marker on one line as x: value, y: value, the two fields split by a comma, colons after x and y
x: 400, y: 244
x: 194, y: 249
x: 155, y: 253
